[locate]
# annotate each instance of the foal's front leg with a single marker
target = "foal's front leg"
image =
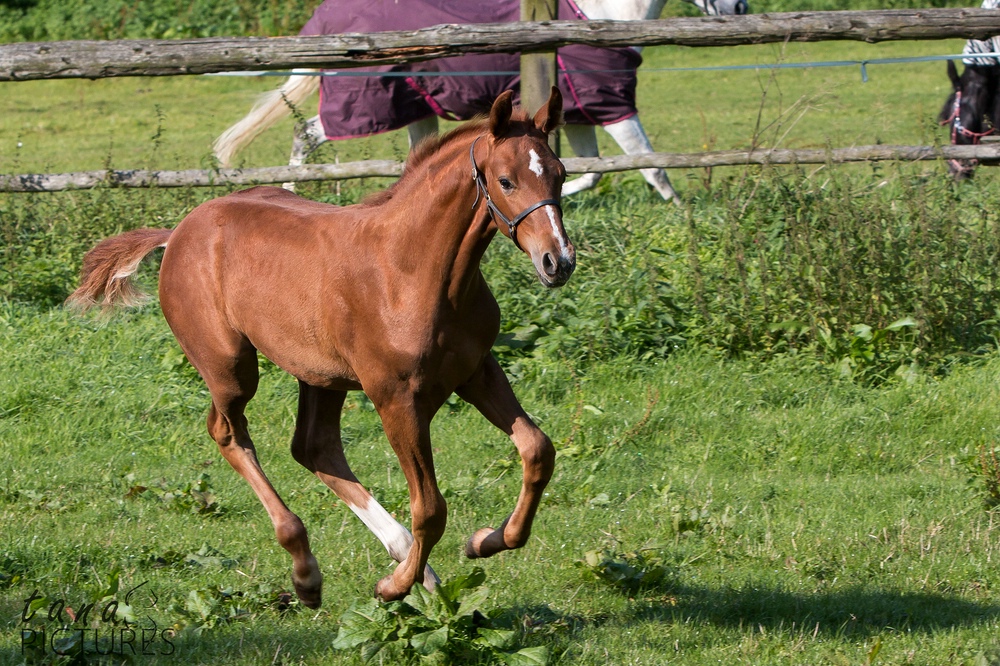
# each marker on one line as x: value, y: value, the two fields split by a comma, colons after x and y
x: 492, y: 395
x: 407, y: 425
x: 317, y: 445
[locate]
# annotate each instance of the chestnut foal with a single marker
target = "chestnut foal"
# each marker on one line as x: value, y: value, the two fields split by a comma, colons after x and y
x: 385, y: 296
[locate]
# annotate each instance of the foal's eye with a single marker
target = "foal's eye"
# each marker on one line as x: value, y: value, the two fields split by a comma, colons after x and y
x: 505, y: 184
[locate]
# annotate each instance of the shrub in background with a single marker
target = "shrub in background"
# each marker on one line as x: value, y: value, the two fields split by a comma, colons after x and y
x: 877, y: 280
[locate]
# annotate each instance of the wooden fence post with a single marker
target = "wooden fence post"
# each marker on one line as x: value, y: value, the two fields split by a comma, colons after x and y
x: 538, y: 70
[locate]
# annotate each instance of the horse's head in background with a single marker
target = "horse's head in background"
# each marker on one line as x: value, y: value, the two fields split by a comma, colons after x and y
x: 971, y: 110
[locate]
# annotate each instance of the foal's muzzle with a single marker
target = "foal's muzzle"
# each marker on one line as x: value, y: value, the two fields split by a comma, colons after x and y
x: 554, y: 270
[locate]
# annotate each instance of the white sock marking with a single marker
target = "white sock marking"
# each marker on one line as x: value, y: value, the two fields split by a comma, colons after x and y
x: 396, y: 538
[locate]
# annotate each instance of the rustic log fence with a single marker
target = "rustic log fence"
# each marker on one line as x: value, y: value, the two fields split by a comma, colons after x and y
x: 100, y: 59
x: 389, y: 168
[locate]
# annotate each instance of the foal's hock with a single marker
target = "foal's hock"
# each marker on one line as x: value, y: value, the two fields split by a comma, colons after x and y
x: 385, y: 296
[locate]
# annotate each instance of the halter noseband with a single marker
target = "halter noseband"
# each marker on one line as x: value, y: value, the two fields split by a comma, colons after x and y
x: 495, y: 212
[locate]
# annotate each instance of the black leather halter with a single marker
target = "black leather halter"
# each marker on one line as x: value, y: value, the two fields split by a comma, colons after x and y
x: 492, y: 207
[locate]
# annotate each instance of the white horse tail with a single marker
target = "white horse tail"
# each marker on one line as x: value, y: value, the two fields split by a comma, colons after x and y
x: 269, y: 109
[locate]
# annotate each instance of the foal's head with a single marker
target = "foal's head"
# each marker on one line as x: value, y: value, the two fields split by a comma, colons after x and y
x: 970, y: 111
x: 521, y: 179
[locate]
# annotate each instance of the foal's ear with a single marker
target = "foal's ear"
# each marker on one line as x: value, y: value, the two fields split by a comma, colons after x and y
x: 549, y: 116
x: 500, y: 114
x: 956, y: 80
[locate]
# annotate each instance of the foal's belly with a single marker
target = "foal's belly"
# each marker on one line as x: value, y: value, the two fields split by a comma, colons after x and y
x: 310, y: 363
x: 439, y: 364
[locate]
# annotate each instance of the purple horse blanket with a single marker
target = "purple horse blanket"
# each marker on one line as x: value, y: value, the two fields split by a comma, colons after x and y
x: 598, y: 85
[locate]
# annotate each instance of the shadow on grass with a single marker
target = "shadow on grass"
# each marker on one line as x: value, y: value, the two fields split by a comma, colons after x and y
x: 854, y: 611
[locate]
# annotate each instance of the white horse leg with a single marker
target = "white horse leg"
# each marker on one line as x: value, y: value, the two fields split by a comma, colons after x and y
x: 422, y: 129
x: 308, y: 137
x: 721, y: 7
x: 632, y: 138
x: 583, y: 141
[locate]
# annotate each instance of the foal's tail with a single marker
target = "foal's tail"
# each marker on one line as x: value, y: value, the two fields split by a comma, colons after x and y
x: 106, y: 277
x: 269, y: 109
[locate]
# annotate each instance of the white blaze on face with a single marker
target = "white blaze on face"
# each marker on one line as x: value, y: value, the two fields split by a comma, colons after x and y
x: 536, y: 163
x: 563, y: 246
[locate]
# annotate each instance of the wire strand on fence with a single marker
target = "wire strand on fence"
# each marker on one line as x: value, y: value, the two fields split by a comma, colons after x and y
x: 389, y: 168
x: 863, y: 64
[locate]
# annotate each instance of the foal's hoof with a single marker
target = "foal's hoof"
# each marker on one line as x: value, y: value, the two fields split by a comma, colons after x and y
x: 311, y: 596
x: 386, y: 590
x: 484, y: 542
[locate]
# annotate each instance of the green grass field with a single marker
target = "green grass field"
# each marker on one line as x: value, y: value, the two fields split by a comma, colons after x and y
x: 756, y: 506
x: 780, y: 515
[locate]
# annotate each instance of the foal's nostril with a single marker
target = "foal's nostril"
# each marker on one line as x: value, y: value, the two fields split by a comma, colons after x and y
x: 549, y: 265
x: 741, y: 8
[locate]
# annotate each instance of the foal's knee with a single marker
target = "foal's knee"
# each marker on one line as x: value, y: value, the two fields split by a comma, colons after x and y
x: 220, y: 428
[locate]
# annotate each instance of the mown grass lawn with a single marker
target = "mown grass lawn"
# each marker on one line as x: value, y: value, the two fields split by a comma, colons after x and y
x: 704, y: 509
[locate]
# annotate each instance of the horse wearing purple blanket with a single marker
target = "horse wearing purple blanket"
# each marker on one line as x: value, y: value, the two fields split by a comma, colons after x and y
x: 416, y: 95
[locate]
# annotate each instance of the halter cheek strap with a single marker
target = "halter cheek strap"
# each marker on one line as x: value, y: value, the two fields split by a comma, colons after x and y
x: 955, y: 120
x: 482, y: 191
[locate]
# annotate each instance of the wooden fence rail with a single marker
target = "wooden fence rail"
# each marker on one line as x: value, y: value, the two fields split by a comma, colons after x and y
x: 100, y: 59
x: 389, y: 168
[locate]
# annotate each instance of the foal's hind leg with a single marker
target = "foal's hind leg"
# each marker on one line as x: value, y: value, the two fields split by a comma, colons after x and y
x: 230, y: 371
x: 490, y: 392
x: 317, y: 446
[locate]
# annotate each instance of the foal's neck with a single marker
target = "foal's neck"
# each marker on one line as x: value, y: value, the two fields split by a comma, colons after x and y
x: 438, y: 227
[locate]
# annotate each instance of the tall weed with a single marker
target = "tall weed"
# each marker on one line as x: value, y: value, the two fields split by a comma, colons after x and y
x: 831, y: 264
x: 875, y: 279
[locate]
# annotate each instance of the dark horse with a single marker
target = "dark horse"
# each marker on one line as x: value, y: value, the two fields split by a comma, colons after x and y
x: 386, y: 297
x: 971, y: 110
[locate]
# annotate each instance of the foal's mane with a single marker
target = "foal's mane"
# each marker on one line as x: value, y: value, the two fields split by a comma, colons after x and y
x: 432, y: 144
